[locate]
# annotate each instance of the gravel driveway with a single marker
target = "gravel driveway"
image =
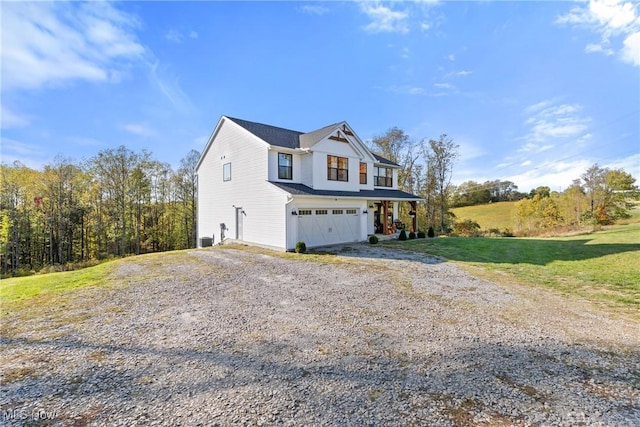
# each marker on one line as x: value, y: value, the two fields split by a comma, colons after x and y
x: 373, y: 336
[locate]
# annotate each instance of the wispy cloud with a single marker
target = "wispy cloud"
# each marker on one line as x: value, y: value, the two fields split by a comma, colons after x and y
x: 169, y: 87
x: 444, y: 85
x: 548, y: 121
x: 9, y: 119
x: 139, y: 129
x: 613, y: 21
x: 314, y: 9
x: 384, y: 19
x: 461, y: 73
x: 595, y: 48
x: 55, y: 43
x: 176, y: 36
x: 558, y: 175
x: 408, y: 90
x: 26, y: 153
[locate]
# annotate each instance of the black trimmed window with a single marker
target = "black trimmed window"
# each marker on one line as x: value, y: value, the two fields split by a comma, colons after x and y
x: 285, y: 166
x: 337, y: 168
x: 384, y: 177
x: 363, y: 173
x: 226, y: 172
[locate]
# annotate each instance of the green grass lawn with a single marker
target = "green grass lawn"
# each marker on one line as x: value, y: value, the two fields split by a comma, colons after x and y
x: 493, y: 215
x: 17, y: 289
x: 601, y: 266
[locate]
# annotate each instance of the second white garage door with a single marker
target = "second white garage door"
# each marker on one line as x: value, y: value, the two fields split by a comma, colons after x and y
x: 317, y: 227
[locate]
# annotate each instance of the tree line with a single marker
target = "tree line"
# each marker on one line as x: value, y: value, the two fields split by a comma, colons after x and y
x: 117, y: 203
x: 600, y: 196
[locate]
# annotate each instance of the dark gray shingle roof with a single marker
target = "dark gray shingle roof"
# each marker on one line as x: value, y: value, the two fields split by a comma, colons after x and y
x: 288, y: 138
x: 378, y: 194
x: 384, y: 161
x: 271, y: 134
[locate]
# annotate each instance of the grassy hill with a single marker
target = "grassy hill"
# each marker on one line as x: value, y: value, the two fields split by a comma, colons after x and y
x: 600, y: 266
x: 493, y: 215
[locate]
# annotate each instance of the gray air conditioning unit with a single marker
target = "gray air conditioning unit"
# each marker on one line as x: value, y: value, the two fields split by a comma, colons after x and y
x: 206, y: 242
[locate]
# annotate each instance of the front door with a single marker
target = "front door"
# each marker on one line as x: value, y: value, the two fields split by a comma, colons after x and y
x: 239, y: 215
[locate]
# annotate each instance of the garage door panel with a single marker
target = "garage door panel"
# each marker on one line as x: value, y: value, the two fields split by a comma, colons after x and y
x: 317, y: 227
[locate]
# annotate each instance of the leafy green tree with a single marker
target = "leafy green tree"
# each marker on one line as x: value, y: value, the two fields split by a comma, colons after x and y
x: 440, y: 156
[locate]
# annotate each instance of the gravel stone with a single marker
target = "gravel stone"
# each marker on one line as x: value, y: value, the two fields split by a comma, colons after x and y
x: 376, y: 337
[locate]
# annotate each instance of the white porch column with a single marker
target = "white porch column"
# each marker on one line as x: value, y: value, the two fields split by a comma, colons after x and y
x: 395, y: 210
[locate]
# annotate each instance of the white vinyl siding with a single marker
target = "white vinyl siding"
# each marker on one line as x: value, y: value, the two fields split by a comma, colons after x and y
x: 264, y: 205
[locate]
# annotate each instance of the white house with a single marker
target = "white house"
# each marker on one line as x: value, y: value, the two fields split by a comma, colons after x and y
x: 271, y: 186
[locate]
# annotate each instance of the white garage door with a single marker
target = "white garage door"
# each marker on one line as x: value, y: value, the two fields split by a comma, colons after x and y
x: 317, y: 227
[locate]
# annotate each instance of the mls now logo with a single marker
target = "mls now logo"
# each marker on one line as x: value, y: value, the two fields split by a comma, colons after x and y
x: 21, y: 414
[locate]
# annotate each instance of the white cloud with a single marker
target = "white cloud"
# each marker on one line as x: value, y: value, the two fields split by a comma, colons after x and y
x: 468, y: 149
x: 444, y: 85
x: 630, y: 164
x: 530, y: 147
x: 461, y: 73
x: 315, y: 9
x: 176, y: 36
x: 631, y: 50
x: 548, y: 121
x: 405, y: 53
x: 55, y: 43
x: 451, y: 57
x: 557, y: 175
x: 614, y: 21
x: 139, y: 129
x: 384, y: 19
x: 598, y: 48
x: 409, y: 90
x: 10, y: 119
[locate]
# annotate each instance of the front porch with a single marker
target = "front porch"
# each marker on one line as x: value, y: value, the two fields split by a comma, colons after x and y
x: 386, y: 220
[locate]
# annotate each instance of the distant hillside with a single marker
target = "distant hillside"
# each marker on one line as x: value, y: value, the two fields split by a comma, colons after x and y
x: 493, y: 215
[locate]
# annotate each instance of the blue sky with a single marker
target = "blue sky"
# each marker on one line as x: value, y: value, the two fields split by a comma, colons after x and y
x: 533, y: 92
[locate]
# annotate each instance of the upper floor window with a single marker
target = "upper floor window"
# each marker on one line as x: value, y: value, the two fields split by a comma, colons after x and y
x: 363, y: 173
x: 384, y: 177
x: 337, y: 168
x: 226, y: 172
x: 285, y: 169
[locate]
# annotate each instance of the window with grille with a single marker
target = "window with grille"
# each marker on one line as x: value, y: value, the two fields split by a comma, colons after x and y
x: 285, y: 166
x: 384, y: 177
x: 337, y: 168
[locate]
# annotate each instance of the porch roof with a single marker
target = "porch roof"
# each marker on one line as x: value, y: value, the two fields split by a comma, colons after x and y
x: 296, y: 189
